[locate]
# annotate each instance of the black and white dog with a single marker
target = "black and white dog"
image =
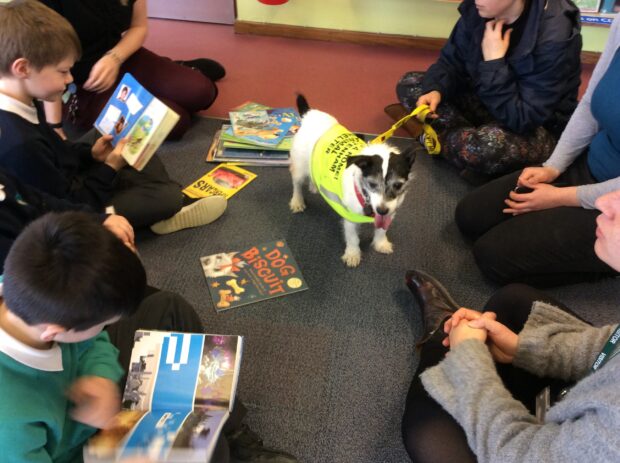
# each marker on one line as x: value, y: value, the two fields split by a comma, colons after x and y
x: 362, y: 182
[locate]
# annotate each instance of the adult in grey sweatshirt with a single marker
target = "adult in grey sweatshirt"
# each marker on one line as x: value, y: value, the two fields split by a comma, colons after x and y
x: 468, y: 408
x: 545, y: 237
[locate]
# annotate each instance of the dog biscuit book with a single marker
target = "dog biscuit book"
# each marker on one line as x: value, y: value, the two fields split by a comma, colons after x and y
x: 224, y: 180
x: 134, y: 112
x: 180, y: 390
x: 264, y: 127
x: 251, y: 275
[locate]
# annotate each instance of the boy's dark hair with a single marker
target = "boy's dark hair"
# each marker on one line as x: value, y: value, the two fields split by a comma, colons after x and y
x: 31, y: 30
x: 69, y: 270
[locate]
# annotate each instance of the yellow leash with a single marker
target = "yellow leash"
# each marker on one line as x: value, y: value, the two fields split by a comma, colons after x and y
x: 431, y: 142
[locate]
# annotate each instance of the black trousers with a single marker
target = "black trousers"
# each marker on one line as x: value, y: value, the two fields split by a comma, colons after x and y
x: 542, y: 248
x: 143, y: 197
x: 148, y: 196
x: 430, y: 434
x: 162, y: 310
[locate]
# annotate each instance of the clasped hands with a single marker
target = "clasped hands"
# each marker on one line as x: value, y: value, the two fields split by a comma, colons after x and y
x: 543, y: 195
x: 470, y: 324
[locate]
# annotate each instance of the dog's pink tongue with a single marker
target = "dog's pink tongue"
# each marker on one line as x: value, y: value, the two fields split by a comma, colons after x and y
x: 382, y: 221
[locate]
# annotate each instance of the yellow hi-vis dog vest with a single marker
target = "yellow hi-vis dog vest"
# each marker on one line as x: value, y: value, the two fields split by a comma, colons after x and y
x: 329, y: 161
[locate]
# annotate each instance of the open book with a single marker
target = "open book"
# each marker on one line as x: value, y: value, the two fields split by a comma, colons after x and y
x: 179, y: 392
x: 134, y: 113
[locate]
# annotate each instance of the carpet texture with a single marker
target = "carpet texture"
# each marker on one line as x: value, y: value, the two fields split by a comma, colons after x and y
x: 325, y: 371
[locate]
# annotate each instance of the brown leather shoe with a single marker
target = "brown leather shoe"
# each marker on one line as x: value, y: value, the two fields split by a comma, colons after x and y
x: 433, y: 299
x: 397, y: 111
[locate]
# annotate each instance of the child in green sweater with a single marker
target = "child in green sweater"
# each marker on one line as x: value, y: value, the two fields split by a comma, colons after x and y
x: 66, y: 278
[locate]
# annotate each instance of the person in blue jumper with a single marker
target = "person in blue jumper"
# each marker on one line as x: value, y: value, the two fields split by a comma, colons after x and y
x: 545, y: 237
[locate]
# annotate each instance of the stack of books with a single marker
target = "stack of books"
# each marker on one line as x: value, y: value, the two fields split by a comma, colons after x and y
x: 257, y: 135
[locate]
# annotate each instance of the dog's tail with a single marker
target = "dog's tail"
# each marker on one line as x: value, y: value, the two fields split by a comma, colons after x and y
x: 302, y: 104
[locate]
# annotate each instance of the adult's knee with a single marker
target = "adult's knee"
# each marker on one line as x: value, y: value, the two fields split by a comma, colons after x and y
x: 495, y: 259
x: 466, y: 216
x: 430, y: 434
x: 409, y: 88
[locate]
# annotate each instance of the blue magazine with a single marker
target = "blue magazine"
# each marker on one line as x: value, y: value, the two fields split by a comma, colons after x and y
x: 180, y: 389
x: 133, y: 112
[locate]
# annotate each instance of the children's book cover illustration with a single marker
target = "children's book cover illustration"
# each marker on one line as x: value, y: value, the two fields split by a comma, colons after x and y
x: 224, y: 180
x: 180, y: 389
x: 264, y: 127
x: 133, y: 112
x: 233, y: 141
x: 251, y: 275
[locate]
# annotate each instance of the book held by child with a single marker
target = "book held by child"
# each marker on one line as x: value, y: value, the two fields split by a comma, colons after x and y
x: 133, y: 112
x: 253, y: 274
x: 179, y: 392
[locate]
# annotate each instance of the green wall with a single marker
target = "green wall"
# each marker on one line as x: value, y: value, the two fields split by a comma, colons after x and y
x: 425, y: 18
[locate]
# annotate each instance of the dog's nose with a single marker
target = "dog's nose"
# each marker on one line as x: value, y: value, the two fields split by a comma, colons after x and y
x: 382, y: 210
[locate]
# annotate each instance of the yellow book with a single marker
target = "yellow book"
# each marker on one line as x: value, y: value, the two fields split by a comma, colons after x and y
x: 224, y: 180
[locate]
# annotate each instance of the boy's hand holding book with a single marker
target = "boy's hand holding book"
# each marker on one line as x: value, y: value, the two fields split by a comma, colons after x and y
x: 115, y: 159
x: 102, y: 148
x: 97, y: 400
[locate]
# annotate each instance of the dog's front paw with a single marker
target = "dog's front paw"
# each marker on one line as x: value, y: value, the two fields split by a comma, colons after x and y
x: 297, y: 205
x: 352, y: 257
x: 384, y: 246
x: 312, y: 188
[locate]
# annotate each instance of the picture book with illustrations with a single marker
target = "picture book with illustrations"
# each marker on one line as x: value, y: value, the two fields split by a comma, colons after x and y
x: 264, y: 127
x: 255, y: 156
x: 253, y: 274
x: 224, y: 180
x: 133, y: 112
x: 232, y: 141
x: 179, y: 392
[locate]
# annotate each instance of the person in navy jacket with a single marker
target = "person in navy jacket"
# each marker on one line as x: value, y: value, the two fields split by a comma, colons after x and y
x: 504, y: 86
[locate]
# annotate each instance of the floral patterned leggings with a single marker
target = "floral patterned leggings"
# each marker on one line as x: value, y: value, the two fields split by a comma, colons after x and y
x: 471, y: 139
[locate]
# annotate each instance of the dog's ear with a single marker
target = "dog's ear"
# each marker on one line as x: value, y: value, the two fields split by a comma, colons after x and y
x: 409, y: 155
x: 363, y: 162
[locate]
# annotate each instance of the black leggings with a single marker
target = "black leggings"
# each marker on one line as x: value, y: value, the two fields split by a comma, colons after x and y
x: 471, y: 138
x: 541, y: 248
x: 430, y: 434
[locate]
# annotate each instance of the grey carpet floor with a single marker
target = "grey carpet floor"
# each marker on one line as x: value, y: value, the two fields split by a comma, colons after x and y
x: 326, y: 371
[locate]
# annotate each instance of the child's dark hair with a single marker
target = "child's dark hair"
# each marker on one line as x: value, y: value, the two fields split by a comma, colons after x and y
x: 31, y: 30
x: 69, y: 270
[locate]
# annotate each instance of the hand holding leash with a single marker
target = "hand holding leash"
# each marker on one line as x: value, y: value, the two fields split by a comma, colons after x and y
x: 431, y: 141
x: 432, y: 100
